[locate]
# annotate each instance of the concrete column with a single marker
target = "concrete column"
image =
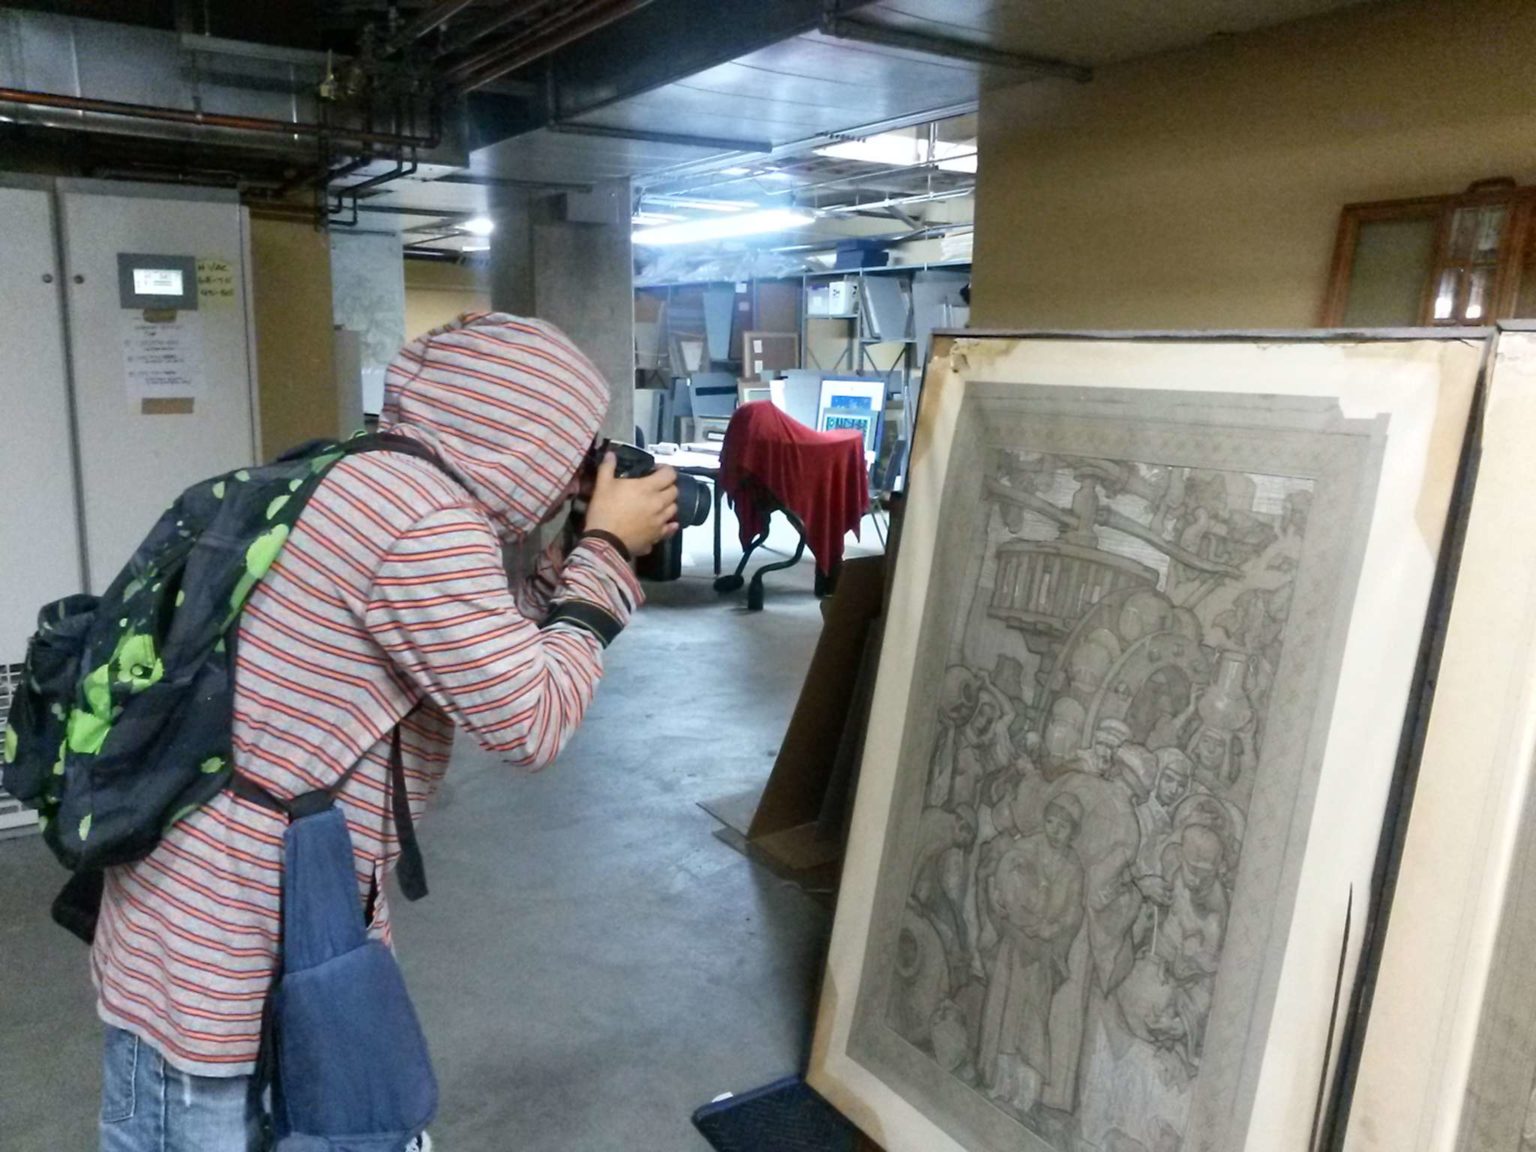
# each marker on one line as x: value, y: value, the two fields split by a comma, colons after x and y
x: 566, y: 259
x: 368, y: 296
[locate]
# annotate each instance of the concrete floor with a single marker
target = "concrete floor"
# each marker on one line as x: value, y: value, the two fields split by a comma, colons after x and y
x: 592, y: 964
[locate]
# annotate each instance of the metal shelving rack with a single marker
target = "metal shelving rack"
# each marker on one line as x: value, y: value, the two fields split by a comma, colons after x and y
x: 858, y: 356
x: 857, y: 341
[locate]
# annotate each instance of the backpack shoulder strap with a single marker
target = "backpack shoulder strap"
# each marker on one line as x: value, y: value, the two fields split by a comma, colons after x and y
x: 394, y: 442
x: 297, y: 807
x: 410, y: 868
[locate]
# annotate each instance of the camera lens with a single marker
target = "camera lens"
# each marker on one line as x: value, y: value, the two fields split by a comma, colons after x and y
x: 692, y: 501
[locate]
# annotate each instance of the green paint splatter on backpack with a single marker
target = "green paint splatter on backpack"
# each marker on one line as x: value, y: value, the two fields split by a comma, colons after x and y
x: 218, y: 490
x: 276, y: 506
x: 11, y: 743
x: 85, y: 826
x: 258, y: 558
x: 86, y: 732
x: 212, y: 764
x: 137, y: 661
x: 98, y: 691
x: 87, y: 728
x: 181, y: 814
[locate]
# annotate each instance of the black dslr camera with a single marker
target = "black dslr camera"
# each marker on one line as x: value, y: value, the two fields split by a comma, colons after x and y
x: 692, y: 495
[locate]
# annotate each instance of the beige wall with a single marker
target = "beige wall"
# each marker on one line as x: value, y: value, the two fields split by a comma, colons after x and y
x: 291, y: 299
x: 436, y: 293
x: 1202, y: 188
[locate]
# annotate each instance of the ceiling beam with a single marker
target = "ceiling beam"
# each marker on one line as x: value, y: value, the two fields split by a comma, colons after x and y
x: 885, y: 36
x: 647, y: 136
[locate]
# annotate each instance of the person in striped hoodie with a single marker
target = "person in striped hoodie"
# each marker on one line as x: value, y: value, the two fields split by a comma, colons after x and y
x: 388, y: 606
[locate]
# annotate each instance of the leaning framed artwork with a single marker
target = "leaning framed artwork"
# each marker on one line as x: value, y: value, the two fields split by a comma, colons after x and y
x: 1447, y: 1059
x: 1153, y: 631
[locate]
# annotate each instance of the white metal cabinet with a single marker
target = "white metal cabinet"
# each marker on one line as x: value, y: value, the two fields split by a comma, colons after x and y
x: 134, y: 463
x: 39, y: 538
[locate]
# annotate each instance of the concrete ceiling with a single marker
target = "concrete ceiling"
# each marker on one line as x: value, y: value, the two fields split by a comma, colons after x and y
x: 1094, y: 32
x: 699, y: 76
x: 671, y: 92
x: 809, y: 86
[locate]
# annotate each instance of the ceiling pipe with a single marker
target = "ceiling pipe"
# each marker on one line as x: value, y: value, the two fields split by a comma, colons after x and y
x: 218, y: 120
x: 592, y: 18
x: 434, y: 17
x: 510, y: 14
x: 549, y: 25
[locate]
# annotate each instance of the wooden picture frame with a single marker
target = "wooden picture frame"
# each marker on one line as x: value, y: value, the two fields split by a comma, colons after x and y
x: 1056, y: 655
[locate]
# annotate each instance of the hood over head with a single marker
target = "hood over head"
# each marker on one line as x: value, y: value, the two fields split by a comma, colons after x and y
x: 510, y: 406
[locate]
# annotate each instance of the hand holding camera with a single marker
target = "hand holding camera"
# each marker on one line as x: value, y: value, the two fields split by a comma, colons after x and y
x: 639, y: 510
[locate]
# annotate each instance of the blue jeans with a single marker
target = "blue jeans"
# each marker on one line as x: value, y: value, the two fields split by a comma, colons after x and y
x: 149, y: 1106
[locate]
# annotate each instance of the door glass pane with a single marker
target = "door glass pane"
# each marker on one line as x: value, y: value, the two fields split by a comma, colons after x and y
x: 1490, y: 233
x: 1463, y: 234
x: 1393, y: 259
x: 1476, y: 233
x: 1445, y: 296
x: 1479, y: 281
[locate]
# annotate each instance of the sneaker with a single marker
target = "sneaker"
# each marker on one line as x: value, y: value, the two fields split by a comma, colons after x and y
x: 422, y: 1143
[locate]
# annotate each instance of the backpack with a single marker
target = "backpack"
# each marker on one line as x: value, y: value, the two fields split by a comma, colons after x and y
x: 121, y: 725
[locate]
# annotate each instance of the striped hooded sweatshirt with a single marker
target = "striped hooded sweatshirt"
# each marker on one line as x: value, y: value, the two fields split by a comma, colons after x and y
x: 390, y: 593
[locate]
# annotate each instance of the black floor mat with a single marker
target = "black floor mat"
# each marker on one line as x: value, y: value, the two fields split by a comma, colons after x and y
x: 785, y: 1116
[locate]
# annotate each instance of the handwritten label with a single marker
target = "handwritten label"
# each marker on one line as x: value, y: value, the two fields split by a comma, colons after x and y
x: 216, y: 283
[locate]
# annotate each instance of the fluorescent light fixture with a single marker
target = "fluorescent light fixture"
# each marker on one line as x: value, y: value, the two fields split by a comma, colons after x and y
x: 702, y: 205
x: 903, y: 149
x: 723, y: 227
x: 479, y: 226
x: 474, y: 247
x: 736, y: 170
x: 651, y: 219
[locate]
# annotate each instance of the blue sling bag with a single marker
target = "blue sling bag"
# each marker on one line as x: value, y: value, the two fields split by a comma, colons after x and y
x: 343, y: 1055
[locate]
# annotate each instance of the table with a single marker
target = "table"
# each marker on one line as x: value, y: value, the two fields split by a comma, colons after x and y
x: 705, y: 466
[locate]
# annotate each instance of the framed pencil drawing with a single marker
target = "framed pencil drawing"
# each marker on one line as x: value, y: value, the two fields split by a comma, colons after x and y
x: 1152, y: 634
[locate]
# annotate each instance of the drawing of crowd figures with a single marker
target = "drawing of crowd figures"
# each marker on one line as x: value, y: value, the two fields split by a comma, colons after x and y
x: 1068, y: 907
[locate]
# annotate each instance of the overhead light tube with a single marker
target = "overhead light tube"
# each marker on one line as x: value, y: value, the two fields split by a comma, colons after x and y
x: 723, y: 227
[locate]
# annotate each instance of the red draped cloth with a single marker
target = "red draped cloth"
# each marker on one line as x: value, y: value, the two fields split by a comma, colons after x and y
x: 819, y: 476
